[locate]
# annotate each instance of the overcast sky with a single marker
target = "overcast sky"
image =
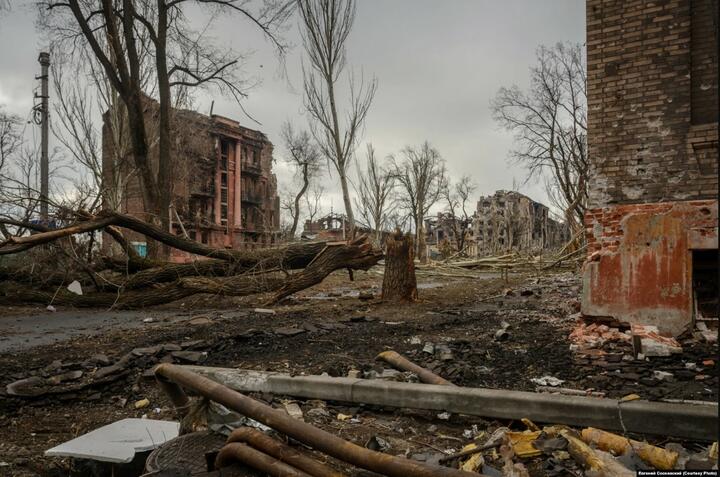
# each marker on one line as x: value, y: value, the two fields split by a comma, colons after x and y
x: 438, y: 64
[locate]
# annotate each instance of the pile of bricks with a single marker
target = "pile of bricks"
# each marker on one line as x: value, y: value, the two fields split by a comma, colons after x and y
x: 594, y: 335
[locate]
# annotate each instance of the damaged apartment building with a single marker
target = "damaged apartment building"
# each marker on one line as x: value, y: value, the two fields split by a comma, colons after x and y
x: 224, y: 189
x: 652, y: 220
x: 508, y: 220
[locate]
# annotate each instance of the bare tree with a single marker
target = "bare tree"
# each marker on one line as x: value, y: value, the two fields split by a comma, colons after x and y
x: 375, y: 188
x: 313, y: 199
x: 325, y: 26
x: 115, y: 33
x: 421, y: 177
x: 550, y: 125
x: 457, y: 197
x: 304, y: 157
x: 10, y: 136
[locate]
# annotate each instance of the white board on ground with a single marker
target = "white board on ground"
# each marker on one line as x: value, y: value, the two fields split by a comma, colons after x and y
x: 118, y: 442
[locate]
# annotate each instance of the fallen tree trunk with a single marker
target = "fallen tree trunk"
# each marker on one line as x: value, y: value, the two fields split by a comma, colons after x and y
x: 290, y: 257
x: 358, y: 255
x: 269, y: 258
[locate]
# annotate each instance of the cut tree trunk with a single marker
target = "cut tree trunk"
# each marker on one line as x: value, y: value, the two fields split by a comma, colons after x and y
x: 399, y: 282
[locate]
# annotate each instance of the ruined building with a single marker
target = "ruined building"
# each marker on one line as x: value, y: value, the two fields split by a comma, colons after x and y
x: 224, y: 190
x: 508, y: 220
x: 332, y: 227
x: 652, y: 222
x: 335, y: 227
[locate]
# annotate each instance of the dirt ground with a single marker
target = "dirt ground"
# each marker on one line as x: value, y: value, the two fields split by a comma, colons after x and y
x: 327, y: 329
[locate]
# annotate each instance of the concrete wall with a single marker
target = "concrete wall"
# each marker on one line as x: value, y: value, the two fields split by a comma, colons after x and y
x: 197, y: 180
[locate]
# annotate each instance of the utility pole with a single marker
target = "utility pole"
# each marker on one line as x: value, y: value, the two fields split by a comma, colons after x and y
x: 44, y: 60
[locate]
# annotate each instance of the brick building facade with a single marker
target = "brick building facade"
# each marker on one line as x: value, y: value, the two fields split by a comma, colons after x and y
x: 651, y: 225
x: 224, y: 190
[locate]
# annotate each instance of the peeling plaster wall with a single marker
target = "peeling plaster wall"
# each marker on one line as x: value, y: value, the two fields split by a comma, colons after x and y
x: 641, y: 265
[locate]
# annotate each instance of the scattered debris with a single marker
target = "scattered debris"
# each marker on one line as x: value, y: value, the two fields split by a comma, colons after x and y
x: 655, y: 456
x: 142, y: 403
x: 293, y: 410
x: 118, y: 442
x: 264, y: 311
x: 547, y: 381
x: 403, y: 364
x: 502, y: 334
x: 377, y: 443
x: 75, y: 287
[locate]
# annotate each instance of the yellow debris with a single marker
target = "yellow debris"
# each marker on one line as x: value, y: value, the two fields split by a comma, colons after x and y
x: 142, y: 403
x: 713, y: 452
x: 630, y: 397
x: 529, y: 424
x: 657, y: 457
x: 474, y: 462
x: 522, y: 443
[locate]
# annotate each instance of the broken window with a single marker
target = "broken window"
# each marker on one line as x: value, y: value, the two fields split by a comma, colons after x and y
x: 705, y: 283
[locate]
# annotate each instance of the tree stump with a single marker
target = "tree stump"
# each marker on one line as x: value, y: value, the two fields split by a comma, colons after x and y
x: 399, y: 283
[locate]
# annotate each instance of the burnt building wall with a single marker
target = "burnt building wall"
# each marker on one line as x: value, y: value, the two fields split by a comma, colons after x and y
x: 509, y: 220
x: 653, y: 149
x: 224, y: 190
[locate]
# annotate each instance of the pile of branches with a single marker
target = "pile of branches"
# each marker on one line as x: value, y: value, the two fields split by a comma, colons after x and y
x: 47, y: 260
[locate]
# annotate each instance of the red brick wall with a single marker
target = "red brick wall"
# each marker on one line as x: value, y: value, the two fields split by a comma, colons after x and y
x: 704, y: 61
x: 642, y: 142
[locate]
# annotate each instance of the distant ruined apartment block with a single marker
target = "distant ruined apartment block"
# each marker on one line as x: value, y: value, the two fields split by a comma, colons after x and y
x: 652, y: 218
x: 224, y: 189
x: 504, y: 221
x: 332, y: 227
x: 335, y: 227
x: 508, y: 220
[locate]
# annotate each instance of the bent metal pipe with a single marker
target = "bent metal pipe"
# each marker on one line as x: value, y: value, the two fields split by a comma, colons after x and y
x: 308, y: 434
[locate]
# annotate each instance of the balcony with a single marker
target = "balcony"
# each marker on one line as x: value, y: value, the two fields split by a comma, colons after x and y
x: 251, y: 198
x: 250, y: 168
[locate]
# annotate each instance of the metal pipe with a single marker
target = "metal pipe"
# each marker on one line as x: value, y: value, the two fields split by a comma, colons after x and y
x: 307, y: 434
x: 399, y: 362
x: 177, y: 396
x: 281, y: 451
x: 237, y: 452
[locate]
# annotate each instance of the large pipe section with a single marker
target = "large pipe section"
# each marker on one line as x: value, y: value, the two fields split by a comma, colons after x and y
x: 399, y: 362
x: 310, y: 435
x: 281, y: 451
x: 237, y: 452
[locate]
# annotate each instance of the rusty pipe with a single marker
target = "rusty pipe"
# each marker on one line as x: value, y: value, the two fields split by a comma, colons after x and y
x: 399, y: 362
x: 238, y: 452
x: 177, y: 396
x: 281, y: 451
x: 308, y: 434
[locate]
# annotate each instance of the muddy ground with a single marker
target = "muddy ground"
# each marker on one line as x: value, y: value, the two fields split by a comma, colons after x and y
x: 327, y: 329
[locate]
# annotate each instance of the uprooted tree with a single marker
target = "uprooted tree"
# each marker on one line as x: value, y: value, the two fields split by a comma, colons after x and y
x: 131, y: 281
